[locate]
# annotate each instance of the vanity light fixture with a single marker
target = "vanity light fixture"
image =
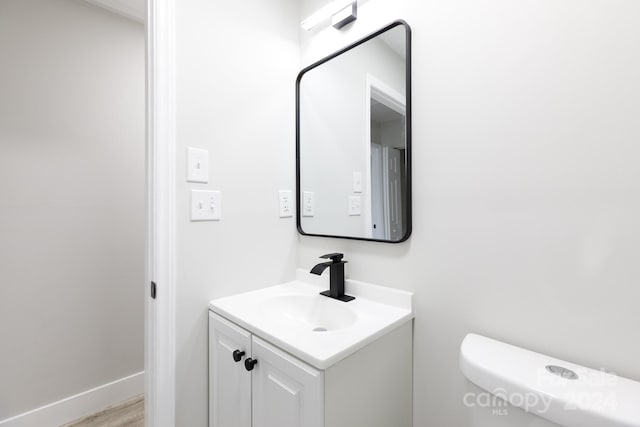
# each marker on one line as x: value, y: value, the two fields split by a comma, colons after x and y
x: 341, y: 13
x: 345, y: 16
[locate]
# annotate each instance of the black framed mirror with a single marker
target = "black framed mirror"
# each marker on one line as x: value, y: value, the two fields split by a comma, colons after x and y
x: 353, y: 140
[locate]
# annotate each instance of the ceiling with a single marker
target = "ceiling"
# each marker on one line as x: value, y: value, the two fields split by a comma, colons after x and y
x: 396, y: 40
x: 132, y: 9
x: 381, y: 113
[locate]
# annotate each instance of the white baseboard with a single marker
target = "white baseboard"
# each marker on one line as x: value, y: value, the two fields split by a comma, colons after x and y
x: 82, y: 404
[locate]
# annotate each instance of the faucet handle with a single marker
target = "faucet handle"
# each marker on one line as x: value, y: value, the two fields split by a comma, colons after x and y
x: 335, y: 257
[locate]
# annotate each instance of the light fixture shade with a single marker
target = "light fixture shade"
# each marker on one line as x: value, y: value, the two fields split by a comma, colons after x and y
x: 345, y: 16
x: 325, y: 13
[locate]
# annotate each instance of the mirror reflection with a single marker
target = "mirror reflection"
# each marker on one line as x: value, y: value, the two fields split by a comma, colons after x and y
x: 353, y: 141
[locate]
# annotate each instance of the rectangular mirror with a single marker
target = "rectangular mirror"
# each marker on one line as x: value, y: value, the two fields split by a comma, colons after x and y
x: 353, y: 140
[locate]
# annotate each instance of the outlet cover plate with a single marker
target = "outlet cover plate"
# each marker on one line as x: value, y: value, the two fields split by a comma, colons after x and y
x: 355, y: 205
x: 286, y: 203
x: 308, y: 203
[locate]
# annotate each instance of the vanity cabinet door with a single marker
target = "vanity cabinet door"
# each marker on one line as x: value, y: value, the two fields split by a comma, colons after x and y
x: 286, y: 392
x: 229, y: 381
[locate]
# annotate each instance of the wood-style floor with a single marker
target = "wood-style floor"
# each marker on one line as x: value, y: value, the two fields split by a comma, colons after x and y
x: 129, y: 413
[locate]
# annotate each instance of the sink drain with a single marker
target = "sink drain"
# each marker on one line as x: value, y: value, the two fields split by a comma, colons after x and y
x: 319, y: 329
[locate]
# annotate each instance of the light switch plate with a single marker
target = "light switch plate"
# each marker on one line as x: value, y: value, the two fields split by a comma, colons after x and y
x: 286, y: 203
x: 308, y: 203
x: 197, y: 165
x: 206, y: 205
x: 357, y: 182
x: 355, y: 203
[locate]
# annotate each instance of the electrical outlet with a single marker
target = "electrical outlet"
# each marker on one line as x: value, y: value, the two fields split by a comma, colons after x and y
x: 206, y: 205
x: 308, y: 203
x: 286, y: 204
x: 355, y: 203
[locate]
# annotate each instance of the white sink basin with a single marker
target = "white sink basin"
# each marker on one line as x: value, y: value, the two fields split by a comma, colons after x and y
x: 317, y: 329
x: 316, y: 313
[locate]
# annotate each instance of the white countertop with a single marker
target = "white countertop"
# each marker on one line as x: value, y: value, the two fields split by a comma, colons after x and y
x: 376, y: 311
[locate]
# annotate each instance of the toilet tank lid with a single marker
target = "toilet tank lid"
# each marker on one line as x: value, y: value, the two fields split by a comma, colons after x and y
x: 560, y: 391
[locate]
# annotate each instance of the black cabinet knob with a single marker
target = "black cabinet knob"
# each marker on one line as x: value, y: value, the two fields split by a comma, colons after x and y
x: 250, y: 363
x: 237, y: 355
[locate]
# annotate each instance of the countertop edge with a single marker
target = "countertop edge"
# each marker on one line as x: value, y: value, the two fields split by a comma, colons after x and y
x: 322, y: 364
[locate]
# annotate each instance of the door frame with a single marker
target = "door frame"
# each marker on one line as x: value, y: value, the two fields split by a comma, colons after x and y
x: 160, y: 316
x: 376, y: 153
x: 385, y: 94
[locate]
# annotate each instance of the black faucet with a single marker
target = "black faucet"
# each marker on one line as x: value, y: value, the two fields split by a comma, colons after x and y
x: 336, y: 269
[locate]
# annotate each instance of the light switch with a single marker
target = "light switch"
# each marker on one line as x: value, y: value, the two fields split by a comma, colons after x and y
x: 357, y: 182
x: 286, y: 204
x: 354, y: 205
x: 206, y: 205
x: 197, y: 165
x: 308, y: 203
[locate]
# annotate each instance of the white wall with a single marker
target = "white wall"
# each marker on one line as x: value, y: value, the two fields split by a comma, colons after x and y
x: 72, y: 205
x: 526, y: 184
x: 335, y: 93
x: 236, y: 66
x: 526, y: 187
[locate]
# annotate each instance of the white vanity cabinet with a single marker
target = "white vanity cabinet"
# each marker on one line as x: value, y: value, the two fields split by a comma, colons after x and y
x: 279, y: 391
x: 285, y: 391
x: 370, y: 388
x: 229, y: 382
